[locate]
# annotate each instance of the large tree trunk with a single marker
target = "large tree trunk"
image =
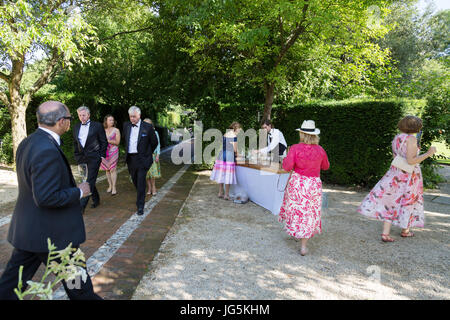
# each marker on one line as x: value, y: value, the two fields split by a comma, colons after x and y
x: 17, y: 107
x: 18, y: 122
x: 269, y: 89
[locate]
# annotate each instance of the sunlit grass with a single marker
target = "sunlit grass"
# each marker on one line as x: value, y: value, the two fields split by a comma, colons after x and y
x: 442, y: 150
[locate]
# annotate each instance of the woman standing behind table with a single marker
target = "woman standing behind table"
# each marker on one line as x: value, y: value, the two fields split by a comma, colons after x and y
x: 301, y: 208
x: 398, y: 197
x: 109, y: 164
x: 155, y: 170
x: 224, y: 171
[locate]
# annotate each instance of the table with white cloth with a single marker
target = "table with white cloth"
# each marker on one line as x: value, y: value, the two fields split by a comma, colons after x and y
x: 263, y: 184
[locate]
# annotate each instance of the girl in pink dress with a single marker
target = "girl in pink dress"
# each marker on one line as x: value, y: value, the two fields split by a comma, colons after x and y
x: 302, y: 202
x: 224, y: 171
x: 112, y: 153
x: 397, y: 199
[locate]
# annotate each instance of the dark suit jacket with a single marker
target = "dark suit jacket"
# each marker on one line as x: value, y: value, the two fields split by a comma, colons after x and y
x: 147, y: 143
x: 96, y: 143
x: 48, y: 205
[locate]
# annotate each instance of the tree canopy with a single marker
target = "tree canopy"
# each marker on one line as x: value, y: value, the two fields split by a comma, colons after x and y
x: 34, y: 30
x: 290, y: 46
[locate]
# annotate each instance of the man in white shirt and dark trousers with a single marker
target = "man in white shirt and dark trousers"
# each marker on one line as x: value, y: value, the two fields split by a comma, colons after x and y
x: 90, y: 144
x: 140, y: 141
x: 276, y: 144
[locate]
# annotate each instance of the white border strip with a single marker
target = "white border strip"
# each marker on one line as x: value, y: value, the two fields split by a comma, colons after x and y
x: 109, y: 248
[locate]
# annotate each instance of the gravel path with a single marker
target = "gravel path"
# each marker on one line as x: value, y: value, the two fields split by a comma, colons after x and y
x: 8, y: 186
x: 241, y: 252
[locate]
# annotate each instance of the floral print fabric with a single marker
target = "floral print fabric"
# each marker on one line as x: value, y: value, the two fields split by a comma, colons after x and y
x: 301, y: 208
x: 398, y: 197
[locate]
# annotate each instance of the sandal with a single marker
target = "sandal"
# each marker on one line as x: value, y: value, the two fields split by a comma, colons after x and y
x: 226, y: 198
x: 220, y: 196
x: 303, y: 252
x: 407, y: 234
x: 386, y: 238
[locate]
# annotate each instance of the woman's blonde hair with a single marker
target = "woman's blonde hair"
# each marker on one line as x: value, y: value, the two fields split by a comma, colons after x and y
x: 105, y: 121
x: 309, y: 138
x: 148, y: 120
x: 235, y: 125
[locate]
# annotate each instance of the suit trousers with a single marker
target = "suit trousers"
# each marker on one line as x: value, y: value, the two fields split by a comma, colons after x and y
x: 31, y: 262
x: 138, y: 176
x: 93, y: 167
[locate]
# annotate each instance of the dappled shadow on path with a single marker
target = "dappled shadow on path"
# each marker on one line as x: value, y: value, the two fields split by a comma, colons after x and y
x: 221, y: 250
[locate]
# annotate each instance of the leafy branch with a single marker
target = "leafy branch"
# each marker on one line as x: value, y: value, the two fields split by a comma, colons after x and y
x: 70, y: 266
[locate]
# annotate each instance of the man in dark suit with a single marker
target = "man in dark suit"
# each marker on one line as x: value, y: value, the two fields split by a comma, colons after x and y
x: 140, y: 141
x: 90, y: 146
x: 48, y: 204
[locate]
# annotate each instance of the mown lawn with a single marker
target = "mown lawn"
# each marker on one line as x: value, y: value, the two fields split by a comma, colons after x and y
x: 442, y: 150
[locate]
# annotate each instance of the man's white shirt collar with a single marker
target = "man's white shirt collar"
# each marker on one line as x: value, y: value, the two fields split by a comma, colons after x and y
x: 137, y: 124
x: 53, y: 134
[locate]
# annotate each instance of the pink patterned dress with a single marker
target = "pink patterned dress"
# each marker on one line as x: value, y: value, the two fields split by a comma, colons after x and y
x: 224, y: 170
x: 398, y: 197
x: 112, y: 155
x: 302, y: 202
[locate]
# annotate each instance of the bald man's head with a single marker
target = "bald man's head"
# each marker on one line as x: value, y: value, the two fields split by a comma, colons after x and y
x: 50, y: 112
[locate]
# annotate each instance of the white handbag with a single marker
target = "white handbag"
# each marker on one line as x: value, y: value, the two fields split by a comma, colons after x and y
x: 402, y: 163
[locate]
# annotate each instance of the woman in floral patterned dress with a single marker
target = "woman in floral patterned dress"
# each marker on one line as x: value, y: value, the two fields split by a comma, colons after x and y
x: 397, y: 199
x: 109, y: 164
x: 302, y: 202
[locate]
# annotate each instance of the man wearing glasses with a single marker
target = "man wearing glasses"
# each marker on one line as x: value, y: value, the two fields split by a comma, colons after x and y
x: 48, y: 204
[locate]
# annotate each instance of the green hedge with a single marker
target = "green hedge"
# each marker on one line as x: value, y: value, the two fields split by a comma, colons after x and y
x: 6, y: 154
x: 356, y: 135
x: 221, y: 115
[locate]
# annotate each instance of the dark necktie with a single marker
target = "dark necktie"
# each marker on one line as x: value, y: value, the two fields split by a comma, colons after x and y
x: 85, y: 124
x: 270, y: 138
x: 134, y: 125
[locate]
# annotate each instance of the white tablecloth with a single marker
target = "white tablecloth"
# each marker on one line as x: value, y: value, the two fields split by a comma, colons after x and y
x: 262, y: 187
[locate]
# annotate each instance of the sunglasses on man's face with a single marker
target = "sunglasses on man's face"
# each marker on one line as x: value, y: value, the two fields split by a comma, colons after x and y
x: 67, y: 118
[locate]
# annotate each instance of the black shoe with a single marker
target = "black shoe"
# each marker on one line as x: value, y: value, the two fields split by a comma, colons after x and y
x: 140, y: 212
x: 94, y: 205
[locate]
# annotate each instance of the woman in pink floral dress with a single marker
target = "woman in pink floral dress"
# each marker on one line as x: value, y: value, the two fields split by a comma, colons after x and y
x: 397, y: 199
x: 109, y: 164
x: 302, y: 202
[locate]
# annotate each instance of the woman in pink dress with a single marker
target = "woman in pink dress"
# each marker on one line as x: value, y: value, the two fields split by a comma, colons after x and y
x: 109, y: 164
x: 397, y: 199
x: 224, y: 171
x: 302, y: 202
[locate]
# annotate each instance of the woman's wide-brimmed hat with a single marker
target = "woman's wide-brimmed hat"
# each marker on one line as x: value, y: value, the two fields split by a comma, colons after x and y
x: 309, y: 127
